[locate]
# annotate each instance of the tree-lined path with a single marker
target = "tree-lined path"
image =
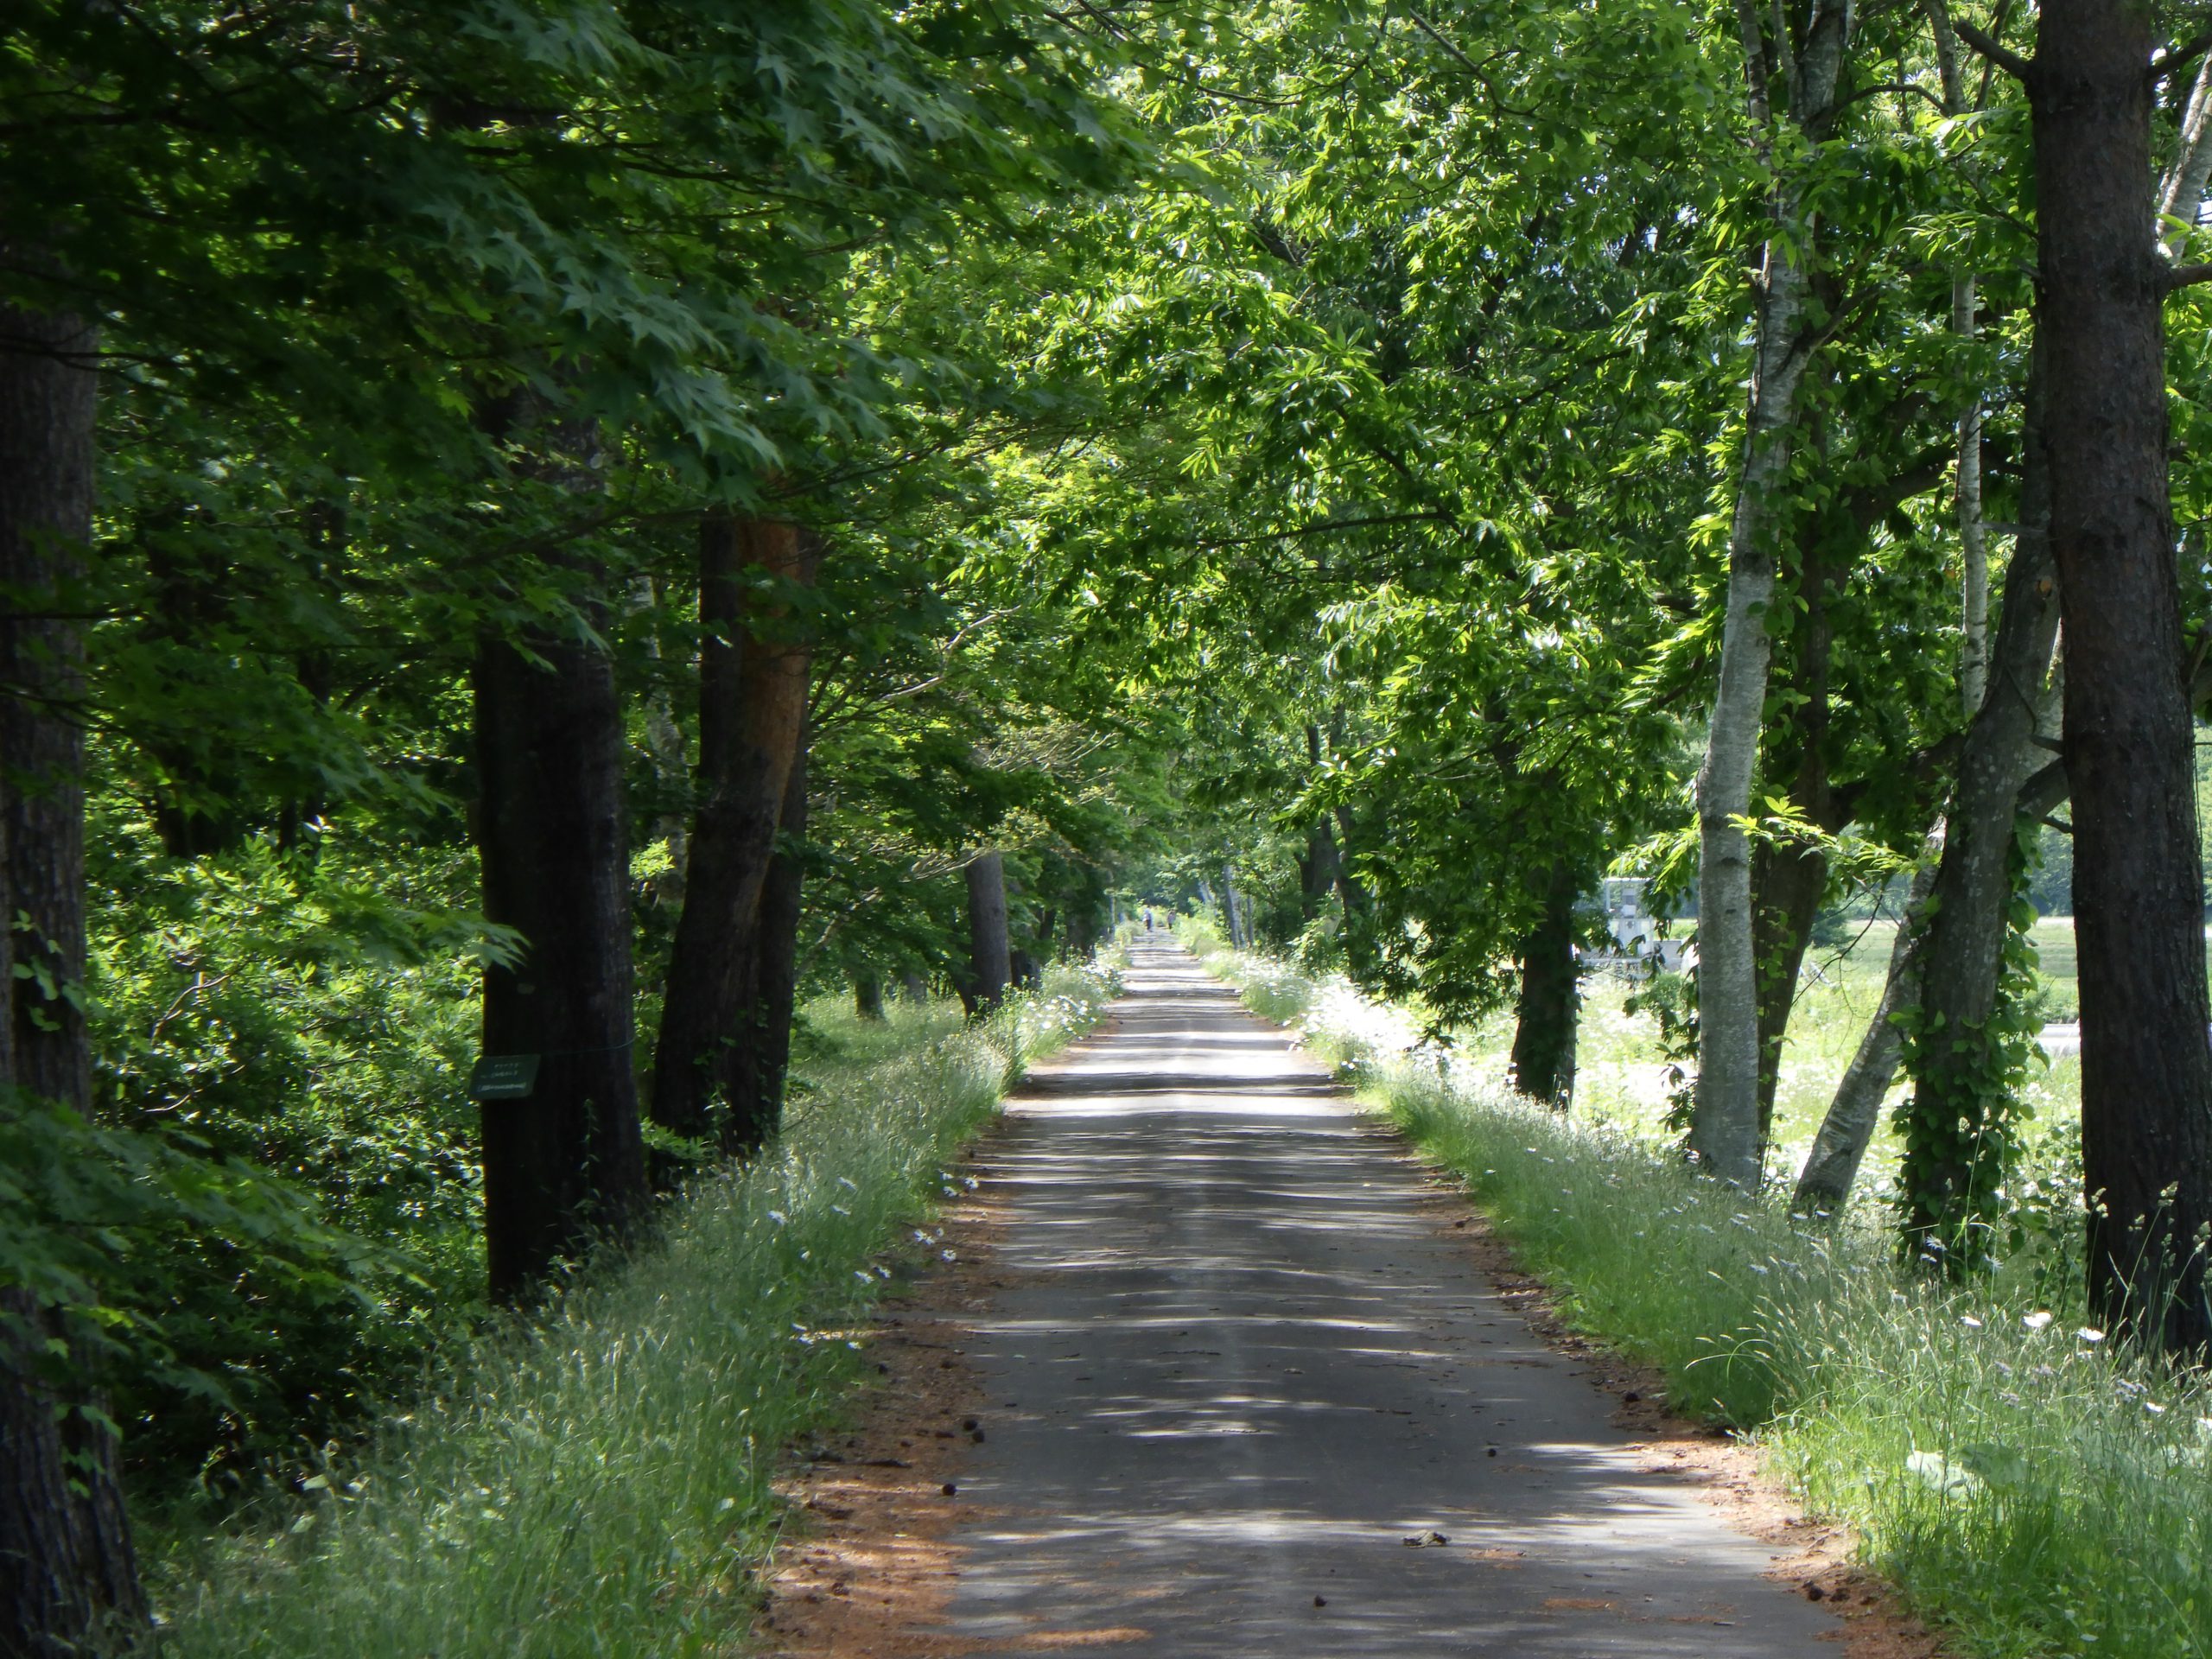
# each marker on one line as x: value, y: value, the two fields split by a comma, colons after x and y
x: 1242, y: 1358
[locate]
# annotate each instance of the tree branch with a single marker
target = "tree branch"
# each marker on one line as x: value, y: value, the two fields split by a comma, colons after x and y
x: 2010, y: 62
x: 2166, y: 62
x: 2044, y: 792
x: 2185, y: 276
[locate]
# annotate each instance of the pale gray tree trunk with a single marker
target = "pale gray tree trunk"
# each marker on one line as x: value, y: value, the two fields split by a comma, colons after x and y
x: 1974, y: 652
x: 2181, y: 191
x: 1240, y: 932
x: 1725, y: 1122
x: 1973, y: 546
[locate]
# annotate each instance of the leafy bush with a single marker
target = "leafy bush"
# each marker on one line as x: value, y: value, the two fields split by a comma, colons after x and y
x: 599, y: 1479
x: 282, y: 1043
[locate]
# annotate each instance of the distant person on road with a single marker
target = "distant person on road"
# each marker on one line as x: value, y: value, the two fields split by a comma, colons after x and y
x: 1148, y: 921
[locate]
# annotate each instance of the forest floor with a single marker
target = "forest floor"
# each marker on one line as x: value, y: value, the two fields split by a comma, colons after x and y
x: 1223, y: 1369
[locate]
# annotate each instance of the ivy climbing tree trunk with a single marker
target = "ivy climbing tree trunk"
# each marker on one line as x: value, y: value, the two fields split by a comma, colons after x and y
x: 1724, y: 1121
x: 2001, y: 777
x: 2146, y: 1067
x: 1965, y: 1046
x: 754, y: 671
x: 1847, y: 1129
x: 68, y: 1573
x: 566, y: 1162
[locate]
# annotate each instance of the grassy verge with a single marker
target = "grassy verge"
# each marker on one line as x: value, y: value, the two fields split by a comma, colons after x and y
x: 598, y: 1482
x: 2026, y: 1485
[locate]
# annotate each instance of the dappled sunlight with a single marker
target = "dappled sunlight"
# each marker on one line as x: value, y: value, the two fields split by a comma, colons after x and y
x: 1250, y: 1397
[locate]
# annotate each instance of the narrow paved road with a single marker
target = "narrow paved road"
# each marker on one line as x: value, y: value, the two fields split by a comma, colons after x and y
x: 1240, y: 1361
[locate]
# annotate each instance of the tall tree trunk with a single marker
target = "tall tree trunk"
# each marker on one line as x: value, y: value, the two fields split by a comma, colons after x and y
x: 568, y: 1161
x: 867, y: 994
x: 753, y: 692
x: 757, y: 1094
x: 990, y: 962
x: 1545, y: 1014
x: 1320, y: 871
x: 1724, y: 1122
x: 2146, y: 1068
x: 1239, y: 932
x: 1973, y: 547
x: 1964, y: 930
x: 1349, y: 891
x: 2181, y: 192
x: 1852, y: 1117
x: 68, y: 1573
x: 1789, y: 881
x: 1959, y: 959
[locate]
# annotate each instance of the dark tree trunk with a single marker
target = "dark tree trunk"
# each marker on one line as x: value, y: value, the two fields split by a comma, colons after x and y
x: 757, y: 1076
x: 1788, y: 883
x: 68, y: 1573
x: 1543, y: 1034
x: 990, y: 964
x: 1320, y: 871
x: 751, y: 710
x: 2146, y: 1068
x: 567, y: 1163
x: 867, y: 994
x: 1349, y: 891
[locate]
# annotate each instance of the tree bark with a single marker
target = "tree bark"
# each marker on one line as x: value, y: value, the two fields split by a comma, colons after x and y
x: 867, y: 994
x: 2181, y: 192
x: 1725, y: 1122
x: 2146, y: 1068
x: 1787, y: 883
x: 566, y: 1163
x: 1788, y: 880
x: 1960, y: 956
x: 990, y: 961
x: 69, y: 1573
x: 1349, y: 891
x: 1239, y: 932
x: 1832, y: 1166
x: 757, y: 1094
x: 1545, y: 1015
x: 1964, y: 929
x: 1973, y: 546
x: 753, y: 692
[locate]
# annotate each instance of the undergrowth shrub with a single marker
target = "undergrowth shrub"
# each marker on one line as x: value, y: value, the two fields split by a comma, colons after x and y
x: 597, y: 1479
x: 293, y: 1033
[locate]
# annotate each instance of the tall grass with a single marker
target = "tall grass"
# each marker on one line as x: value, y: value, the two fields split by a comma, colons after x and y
x: 2025, y: 1482
x: 598, y: 1480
